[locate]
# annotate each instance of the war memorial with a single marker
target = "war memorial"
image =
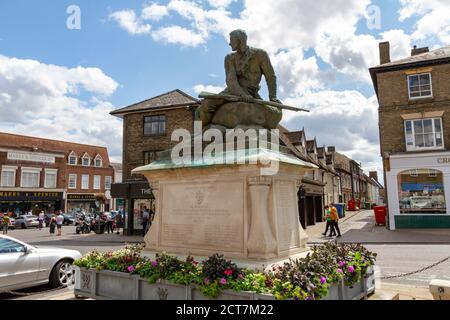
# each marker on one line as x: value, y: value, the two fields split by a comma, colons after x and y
x: 241, y: 201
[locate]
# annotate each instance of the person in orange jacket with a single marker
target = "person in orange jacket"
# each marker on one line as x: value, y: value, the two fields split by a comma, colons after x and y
x: 334, y: 217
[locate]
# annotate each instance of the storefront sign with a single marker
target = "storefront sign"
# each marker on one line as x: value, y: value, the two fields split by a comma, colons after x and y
x: 443, y: 160
x: 30, y: 196
x: 134, y: 190
x: 81, y: 197
x: 25, y: 156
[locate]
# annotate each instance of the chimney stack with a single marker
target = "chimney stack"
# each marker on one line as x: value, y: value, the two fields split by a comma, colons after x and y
x: 373, y: 174
x: 385, y: 52
x: 415, y: 51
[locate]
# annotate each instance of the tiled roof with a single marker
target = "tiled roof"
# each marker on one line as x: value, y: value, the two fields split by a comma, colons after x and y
x: 169, y: 99
x: 321, y: 152
x: 295, y: 137
x: 284, y: 138
x: 36, y: 144
x: 310, y: 145
x: 437, y: 54
x: 116, y: 166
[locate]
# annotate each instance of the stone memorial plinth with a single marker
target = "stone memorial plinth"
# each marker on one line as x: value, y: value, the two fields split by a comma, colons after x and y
x: 231, y: 209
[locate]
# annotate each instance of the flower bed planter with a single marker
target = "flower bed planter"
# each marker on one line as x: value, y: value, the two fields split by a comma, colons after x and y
x: 334, y: 293
x: 370, y: 280
x: 355, y: 291
x: 110, y: 285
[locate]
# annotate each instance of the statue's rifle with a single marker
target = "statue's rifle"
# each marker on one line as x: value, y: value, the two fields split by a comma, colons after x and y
x: 232, y: 98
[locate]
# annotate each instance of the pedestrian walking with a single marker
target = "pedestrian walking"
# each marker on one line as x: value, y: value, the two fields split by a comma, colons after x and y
x: 327, y: 219
x: 59, y: 223
x: 5, y: 223
x: 334, y: 218
x: 118, y: 220
x: 109, y: 223
x: 145, y: 221
x: 41, y: 219
x: 52, y: 225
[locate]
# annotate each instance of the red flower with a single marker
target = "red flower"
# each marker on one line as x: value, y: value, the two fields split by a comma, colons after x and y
x: 228, y: 272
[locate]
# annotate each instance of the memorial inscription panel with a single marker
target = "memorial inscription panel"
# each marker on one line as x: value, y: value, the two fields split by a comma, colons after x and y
x: 207, y: 216
x: 288, y: 237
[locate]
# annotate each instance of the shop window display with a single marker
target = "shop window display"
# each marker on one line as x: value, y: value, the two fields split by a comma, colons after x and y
x: 421, y: 191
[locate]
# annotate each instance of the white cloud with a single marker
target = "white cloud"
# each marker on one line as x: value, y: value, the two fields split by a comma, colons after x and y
x: 127, y: 20
x: 154, y: 12
x: 433, y: 22
x: 220, y: 3
x: 177, y: 34
x: 42, y: 100
x: 208, y: 88
x: 345, y: 119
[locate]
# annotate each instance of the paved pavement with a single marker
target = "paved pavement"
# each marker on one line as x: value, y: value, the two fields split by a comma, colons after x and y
x: 359, y: 227
x: 399, y: 252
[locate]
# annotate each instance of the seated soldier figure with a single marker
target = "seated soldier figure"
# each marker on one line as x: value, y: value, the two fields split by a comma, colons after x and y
x: 244, y: 70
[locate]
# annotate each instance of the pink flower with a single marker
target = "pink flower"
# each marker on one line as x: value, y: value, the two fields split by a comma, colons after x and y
x: 341, y: 263
x: 339, y: 271
x: 241, y: 276
x: 131, y: 269
x: 228, y: 272
x: 323, y: 280
x: 154, y: 263
x: 351, y: 269
x: 223, y: 281
x: 206, y: 281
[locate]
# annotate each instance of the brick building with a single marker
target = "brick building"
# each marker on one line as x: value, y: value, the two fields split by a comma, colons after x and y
x: 41, y: 174
x: 414, y: 121
x: 147, y: 130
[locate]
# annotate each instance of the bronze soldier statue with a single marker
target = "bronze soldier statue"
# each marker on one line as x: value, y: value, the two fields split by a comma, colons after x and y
x: 244, y: 70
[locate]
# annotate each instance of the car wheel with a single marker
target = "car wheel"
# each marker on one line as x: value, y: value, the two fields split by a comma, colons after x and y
x: 24, y: 226
x: 62, y: 274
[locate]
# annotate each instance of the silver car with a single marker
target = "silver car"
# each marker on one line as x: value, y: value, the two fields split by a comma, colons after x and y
x: 27, y: 221
x: 24, y: 266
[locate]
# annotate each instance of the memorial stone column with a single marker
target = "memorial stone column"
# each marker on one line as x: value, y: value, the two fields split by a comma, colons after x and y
x: 152, y: 236
x: 261, y: 241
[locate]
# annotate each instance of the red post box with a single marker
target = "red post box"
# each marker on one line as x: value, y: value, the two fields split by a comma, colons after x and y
x: 352, y: 205
x: 380, y: 215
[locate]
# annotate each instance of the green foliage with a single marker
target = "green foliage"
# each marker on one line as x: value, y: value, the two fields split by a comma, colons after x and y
x: 302, y: 279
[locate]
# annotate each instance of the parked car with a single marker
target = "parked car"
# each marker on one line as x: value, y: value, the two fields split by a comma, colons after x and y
x: 24, y: 266
x: 27, y: 221
x: 69, y: 218
x: 12, y: 223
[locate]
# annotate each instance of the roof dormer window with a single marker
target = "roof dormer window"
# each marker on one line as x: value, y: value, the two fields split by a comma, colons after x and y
x: 73, y: 159
x: 86, y: 160
x: 98, y: 161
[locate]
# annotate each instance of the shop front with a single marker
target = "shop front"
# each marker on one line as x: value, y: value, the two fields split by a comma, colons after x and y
x: 310, y: 203
x: 418, y: 188
x: 82, y: 203
x: 21, y: 202
x: 136, y: 197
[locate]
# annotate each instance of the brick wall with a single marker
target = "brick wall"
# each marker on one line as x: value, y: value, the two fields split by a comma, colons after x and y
x: 394, y: 102
x: 60, y: 165
x: 135, y: 143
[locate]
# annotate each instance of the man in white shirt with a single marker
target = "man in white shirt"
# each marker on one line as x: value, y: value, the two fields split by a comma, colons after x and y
x: 59, y: 223
x: 41, y: 219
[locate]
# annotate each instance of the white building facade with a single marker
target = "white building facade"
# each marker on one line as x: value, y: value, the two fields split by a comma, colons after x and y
x: 418, y: 188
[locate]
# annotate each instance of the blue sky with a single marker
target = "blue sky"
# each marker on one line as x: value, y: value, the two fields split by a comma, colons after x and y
x: 62, y: 83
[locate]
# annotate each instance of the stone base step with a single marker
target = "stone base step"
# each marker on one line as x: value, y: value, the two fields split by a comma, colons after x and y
x: 384, y: 295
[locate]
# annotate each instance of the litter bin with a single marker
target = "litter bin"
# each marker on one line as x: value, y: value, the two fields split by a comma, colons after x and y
x: 380, y: 215
x: 340, y: 207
